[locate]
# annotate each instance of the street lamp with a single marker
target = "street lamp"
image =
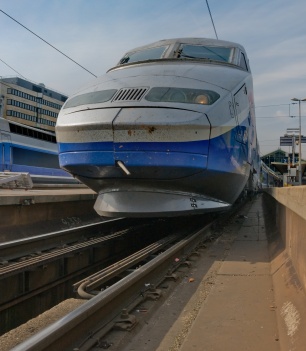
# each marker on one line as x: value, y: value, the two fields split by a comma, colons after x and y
x: 300, y: 141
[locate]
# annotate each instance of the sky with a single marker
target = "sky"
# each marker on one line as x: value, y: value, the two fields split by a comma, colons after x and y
x: 96, y: 34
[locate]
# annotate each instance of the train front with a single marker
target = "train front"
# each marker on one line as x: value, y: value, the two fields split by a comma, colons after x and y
x: 140, y: 135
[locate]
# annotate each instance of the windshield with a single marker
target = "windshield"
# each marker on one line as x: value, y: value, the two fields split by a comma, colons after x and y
x: 215, y: 53
x: 144, y: 55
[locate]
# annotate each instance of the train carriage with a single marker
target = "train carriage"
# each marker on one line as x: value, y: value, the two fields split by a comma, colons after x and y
x: 24, y: 149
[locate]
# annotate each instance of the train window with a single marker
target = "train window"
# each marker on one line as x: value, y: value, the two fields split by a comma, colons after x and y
x: 34, y: 158
x: 182, y: 95
x: 144, y: 55
x: 90, y: 98
x: 22, y: 130
x: 215, y: 53
x: 243, y: 63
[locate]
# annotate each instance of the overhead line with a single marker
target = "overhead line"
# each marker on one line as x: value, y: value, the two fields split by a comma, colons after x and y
x: 13, y: 69
x: 47, y: 43
x: 292, y: 103
x: 212, y: 19
x: 278, y: 117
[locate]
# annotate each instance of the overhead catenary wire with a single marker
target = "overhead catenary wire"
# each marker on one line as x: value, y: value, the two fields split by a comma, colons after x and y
x: 47, y: 43
x: 13, y: 69
x: 212, y: 19
x: 277, y: 116
x: 292, y: 103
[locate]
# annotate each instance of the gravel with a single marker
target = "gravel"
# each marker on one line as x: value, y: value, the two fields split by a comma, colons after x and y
x: 26, y: 330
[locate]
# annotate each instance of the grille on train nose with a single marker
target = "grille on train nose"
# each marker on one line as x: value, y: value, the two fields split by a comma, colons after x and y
x: 130, y: 94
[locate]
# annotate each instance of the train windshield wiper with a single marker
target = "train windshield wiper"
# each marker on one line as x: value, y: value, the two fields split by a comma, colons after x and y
x: 210, y: 53
x: 147, y: 54
x: 194, y: 57
x: 125, y: 59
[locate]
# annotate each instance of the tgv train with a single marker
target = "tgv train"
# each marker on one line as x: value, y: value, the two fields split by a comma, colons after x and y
x: 169, y: 130
x: 31, y: 150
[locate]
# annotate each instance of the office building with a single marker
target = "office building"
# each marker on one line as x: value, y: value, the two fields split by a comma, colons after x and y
x: 29, y: 103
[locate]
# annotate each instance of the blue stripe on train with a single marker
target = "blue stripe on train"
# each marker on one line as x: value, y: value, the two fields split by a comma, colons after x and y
x: 134, y: 159
x: 223, y: 153
x: 196, y: 147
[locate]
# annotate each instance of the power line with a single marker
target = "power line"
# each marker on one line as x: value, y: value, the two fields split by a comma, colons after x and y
x: 3, y: 83
x: 13, y: 69
x: 211, y: 19
x: 269, y: 140
x: 277, y: 116
x: 47, y: 43
x: 292, y: 103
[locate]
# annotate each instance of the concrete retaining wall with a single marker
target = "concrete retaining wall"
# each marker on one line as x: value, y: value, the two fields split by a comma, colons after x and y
x: 33, y: 212
x: 291, y: 223
x: 286, y: 212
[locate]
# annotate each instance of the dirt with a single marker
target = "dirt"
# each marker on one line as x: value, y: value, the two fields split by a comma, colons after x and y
x: 26, y: 330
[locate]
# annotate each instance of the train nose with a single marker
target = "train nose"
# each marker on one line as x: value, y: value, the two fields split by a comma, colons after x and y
x: 143, y: 143
x: 160, y: 142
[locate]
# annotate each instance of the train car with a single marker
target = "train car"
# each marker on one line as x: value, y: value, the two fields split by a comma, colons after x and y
x: 170, y: 130
x: 30, y: 150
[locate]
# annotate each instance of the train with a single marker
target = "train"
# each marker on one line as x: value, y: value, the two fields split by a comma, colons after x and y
x: 24, y: 149
x: 169, y: 130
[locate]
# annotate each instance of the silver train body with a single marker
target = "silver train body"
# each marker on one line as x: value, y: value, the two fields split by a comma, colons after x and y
x: 170, y: 130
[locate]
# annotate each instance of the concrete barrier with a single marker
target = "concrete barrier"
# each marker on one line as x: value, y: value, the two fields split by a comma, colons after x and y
x: 291, y: 223
x: 286, y: 219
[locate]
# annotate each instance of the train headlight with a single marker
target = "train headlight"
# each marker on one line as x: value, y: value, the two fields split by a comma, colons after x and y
x: 202, y: 99
x: 182, y: 95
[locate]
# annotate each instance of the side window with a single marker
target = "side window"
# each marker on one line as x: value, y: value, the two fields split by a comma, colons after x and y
x: 242, y: 114
x: 243, y: 63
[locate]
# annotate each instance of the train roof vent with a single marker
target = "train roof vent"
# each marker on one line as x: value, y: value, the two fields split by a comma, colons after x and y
x: 130, y: 94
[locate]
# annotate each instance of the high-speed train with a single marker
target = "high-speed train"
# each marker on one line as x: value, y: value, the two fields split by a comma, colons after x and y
x: 33, y: 151
x: 170, y: 130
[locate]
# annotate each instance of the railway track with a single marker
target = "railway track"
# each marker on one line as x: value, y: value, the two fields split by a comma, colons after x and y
x: 121, y: 287
x: 17, y: 249
x: 40, y: 270
x: 39, y: 258
x: 84, y: 328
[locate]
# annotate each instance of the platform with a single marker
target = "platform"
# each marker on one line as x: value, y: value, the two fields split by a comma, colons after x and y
x: 28, y: 212
x: 43, y: 195
x: 239, y: 312
x: 255, y: 302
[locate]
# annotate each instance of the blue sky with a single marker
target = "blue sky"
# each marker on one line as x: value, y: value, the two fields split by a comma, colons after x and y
x: 96, y: 33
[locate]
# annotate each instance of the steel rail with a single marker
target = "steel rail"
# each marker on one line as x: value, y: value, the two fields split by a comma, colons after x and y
x: 97, y: 279
x: 99, y: 311
x: 16, y: 248
x: 45, y: 258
